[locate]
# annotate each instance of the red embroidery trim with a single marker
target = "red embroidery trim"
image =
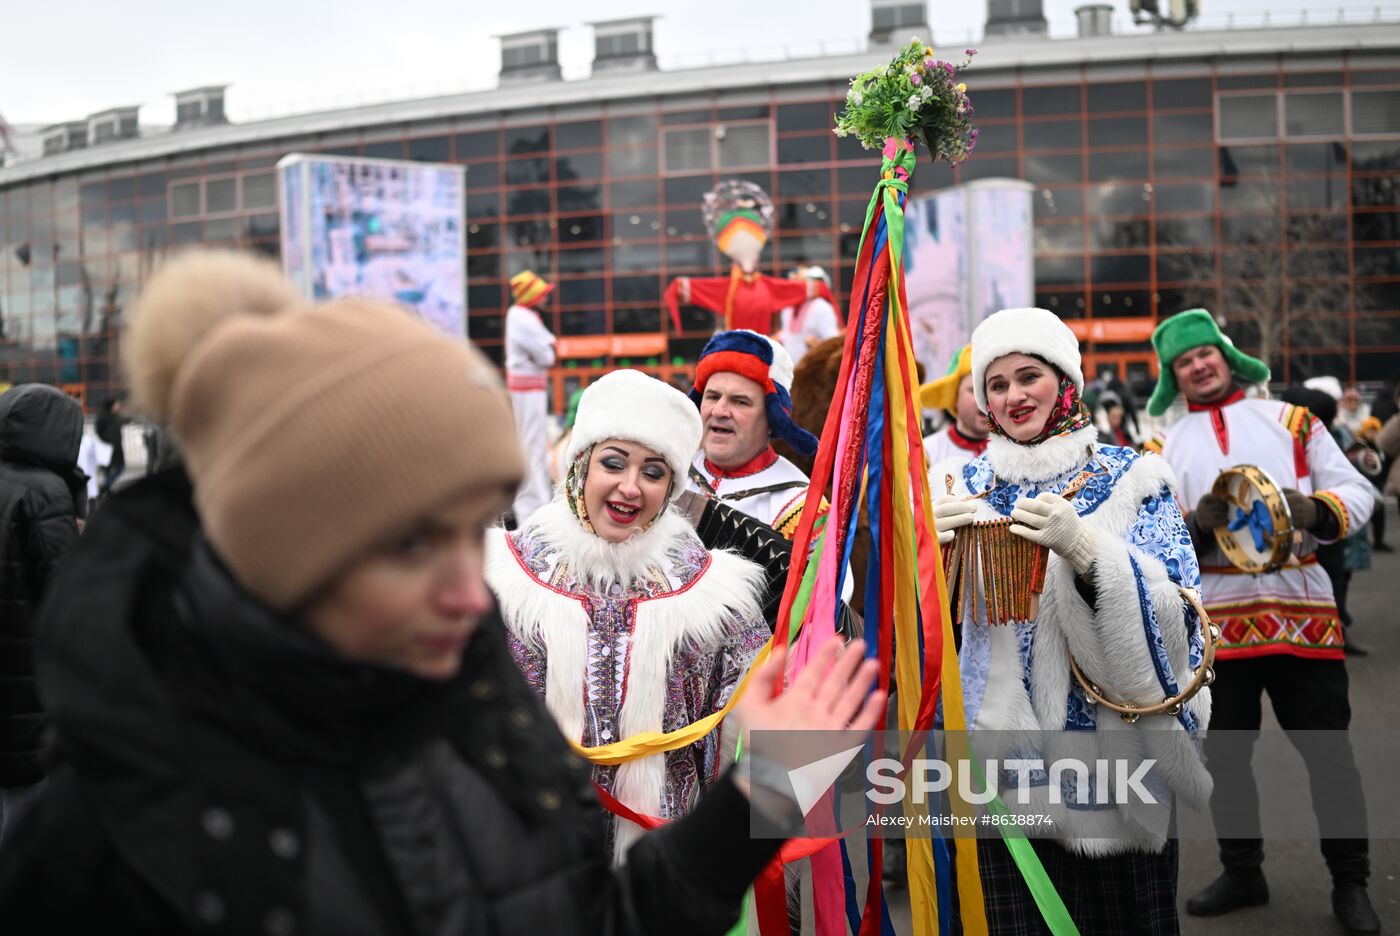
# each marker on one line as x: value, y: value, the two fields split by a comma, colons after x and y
x: 760, y: 462
x: 1234, y: 396
x: 1222, y: 431
x: 967, y: 443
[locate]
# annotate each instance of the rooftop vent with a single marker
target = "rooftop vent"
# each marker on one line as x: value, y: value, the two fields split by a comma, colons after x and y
x: 119, y: 123
x: 60, y: 138
x: 1095, y: 19
x: 623, y: 45
x: 895, y: 21
x: 1015, y: 17
x: 530, y: 56
x: 200, y: 107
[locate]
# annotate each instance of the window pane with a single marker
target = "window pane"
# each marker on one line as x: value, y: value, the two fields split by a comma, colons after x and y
x: 430, y: 149
x: 1133, y: 268
x: 184, y: 200
x: 999, y: 102
x: 1058, y: 99
x: 1118, y: 131
x: 1316, y: 157
x: 1184, y: 163
x: 1318, y: 114
x: 1118, y: 96
x: 584, y: 135
x: 1183, y: 128
x: 1375, y: 112
x: 1128, y: 199
x: 633, y: 194
x: 527, y: 171
x: 1059, y: 238
x: 1051, y: 169
x: 1055, y: 134
x: 527, y: 140
x: 982, y: 169
x: 1249, y: 160
x: 580, y: 197
x: 1118, y: 234
x: 1185, y: 232
x: 1378, y: 156
x: 1127, y: 165
x: 581, y: 165
x: 260, y: 191
x: 745, y: 145
x: 632, y: 131
x: 996, y: 138
x: 630, y: 162
x: 220, y: 195
x: 818, y: 115
x: 483, y: 174
x: 476, y: 145
x: 1199, y: 196
x: 688, y: 150
x: 1382, y: 192
x: 1189, y: 92
x: 1248, y: 117
x: 813, y: 147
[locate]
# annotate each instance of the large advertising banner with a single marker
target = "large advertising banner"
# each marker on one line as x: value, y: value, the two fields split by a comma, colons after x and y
x: 1003, y: 267
x: 936, y: 276
x: 386, y: 229
x: 967, y: 253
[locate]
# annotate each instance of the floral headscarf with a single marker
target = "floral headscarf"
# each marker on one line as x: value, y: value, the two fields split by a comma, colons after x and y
x: 1069, y: 414
x: 574, y: 483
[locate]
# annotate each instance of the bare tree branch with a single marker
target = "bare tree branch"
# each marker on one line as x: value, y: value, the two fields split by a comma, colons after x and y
x: 1286, y: 286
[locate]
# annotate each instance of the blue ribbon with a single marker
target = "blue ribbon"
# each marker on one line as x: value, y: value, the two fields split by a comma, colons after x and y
x: 1260, y: 524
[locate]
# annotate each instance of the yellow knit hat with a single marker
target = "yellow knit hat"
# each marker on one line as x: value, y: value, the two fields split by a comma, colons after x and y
x: 312, y: 433
x: 526, y: 288
x: 942, y: 393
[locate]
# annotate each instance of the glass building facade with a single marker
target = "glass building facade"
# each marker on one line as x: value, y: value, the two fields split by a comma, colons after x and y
x: 1164, y: 177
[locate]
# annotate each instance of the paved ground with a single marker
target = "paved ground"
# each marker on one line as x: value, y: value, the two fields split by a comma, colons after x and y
x: 1298, y: 879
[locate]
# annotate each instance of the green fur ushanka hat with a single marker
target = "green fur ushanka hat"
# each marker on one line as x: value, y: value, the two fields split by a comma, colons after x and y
x: 1188, y: 330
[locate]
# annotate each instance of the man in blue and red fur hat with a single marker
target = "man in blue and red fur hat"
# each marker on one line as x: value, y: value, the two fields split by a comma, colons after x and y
x: 1280, y: 633
x: 741, y: 387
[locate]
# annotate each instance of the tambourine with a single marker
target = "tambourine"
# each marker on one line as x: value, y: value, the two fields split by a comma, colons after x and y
x: 1258, y: 537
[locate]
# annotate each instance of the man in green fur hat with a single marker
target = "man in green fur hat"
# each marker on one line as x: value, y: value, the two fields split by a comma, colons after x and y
x: 1280, y: 632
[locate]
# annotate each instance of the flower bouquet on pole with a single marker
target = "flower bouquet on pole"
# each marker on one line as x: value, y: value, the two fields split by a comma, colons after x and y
x: 871, y: 452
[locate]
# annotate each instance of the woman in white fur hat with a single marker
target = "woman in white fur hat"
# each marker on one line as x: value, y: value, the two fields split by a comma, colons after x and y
x: 617, y: 613
x: 1119, y: 549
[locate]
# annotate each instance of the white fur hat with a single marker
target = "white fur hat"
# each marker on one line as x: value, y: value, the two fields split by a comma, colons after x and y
x: 1328, y: 385
x: 1023, y: 331
x: 628, y: 404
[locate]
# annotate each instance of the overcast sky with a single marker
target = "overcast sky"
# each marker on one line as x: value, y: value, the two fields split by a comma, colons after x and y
x: 64, y: 60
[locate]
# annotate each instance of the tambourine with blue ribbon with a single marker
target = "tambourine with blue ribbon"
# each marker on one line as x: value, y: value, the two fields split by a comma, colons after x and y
x: 1258, y: 536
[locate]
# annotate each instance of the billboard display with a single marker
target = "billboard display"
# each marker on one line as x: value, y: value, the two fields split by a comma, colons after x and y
x: 387, y: 229
x: 967, y: 253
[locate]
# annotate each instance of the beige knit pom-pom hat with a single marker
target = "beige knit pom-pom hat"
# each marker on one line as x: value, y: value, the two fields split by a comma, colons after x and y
x: 312, y: 433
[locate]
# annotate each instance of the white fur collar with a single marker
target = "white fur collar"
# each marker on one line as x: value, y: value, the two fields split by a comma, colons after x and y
x: 593, y: 558
x: 1046, y: 461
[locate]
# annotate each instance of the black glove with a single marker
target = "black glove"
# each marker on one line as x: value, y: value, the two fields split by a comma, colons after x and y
x: 1302, y: 508
x: 1211, y: 512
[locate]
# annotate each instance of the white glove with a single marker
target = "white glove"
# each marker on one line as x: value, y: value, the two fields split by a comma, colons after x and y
x: 1051, y: 521
x: 950, y: 512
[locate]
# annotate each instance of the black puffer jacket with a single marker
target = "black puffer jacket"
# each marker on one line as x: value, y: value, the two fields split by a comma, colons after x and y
x: 222, y: 771
x: 40, y: 430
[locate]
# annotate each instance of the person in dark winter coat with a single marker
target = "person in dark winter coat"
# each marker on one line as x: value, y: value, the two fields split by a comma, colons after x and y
x: 109, y: 430
x: 40, y: 431
x: 277, y: 715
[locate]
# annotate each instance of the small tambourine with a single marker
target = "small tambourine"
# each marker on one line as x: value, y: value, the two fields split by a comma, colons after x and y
x: 1258, y: 536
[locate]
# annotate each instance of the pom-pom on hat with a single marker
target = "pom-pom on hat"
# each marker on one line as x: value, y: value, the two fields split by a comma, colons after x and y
x: 766, y: 363
x: 313, y: 433
x: 635, y: 407
x: 1183, y: 332
x: 1036, y: 332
